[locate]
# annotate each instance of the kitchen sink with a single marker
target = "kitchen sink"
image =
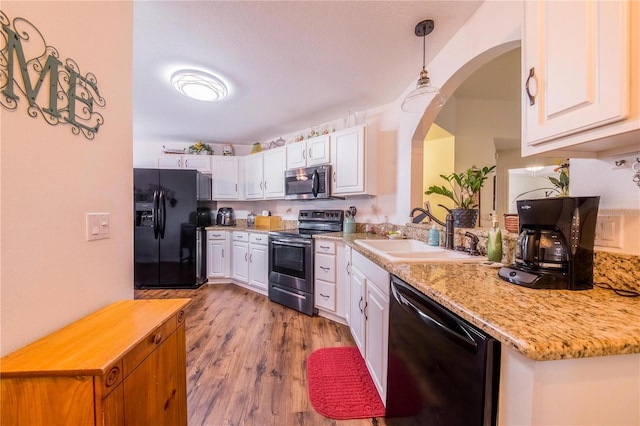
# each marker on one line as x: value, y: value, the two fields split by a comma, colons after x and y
x: 414, y: 251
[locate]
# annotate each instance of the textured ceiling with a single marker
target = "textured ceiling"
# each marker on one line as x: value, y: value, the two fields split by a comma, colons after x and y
x: 289, y: 65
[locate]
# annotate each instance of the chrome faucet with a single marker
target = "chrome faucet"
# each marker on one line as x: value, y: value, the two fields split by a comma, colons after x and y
x: 449, y: 230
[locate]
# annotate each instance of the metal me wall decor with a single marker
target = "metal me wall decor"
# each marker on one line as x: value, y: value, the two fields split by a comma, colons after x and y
x: 27, y: 62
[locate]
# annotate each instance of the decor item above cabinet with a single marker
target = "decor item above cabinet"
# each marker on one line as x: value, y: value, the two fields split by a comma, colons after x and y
x: 578, y: 76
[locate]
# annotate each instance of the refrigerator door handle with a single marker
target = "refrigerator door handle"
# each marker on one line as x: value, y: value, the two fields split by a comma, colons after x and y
x: 154, y: 215
x: 163, y: 214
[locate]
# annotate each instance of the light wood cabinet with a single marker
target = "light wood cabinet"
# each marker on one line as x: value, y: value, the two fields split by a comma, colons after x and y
x: 124, y: 364
x: 579, y: 75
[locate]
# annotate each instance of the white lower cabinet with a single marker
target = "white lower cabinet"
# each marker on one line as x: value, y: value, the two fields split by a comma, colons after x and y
x: 330, y: 280
x: 259, y: 261
x: 369, y: 317
x: 250, y: 259
x: 217, y: 254
x: 240, y: 256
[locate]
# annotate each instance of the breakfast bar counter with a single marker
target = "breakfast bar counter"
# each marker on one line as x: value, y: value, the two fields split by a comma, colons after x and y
x: 567, y: 357
x: 539, y: 324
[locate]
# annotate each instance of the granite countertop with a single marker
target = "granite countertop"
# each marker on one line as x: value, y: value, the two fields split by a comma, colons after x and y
x: 236, y: 228
x: 540, y: 324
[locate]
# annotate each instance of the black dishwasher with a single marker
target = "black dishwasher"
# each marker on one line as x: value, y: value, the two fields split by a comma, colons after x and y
x: 442, y: 370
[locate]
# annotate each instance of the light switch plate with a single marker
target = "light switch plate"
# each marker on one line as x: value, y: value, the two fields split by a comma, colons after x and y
x: 98, y: 226
x: 609, y: 231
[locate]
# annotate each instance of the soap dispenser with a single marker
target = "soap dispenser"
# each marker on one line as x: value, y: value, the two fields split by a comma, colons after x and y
x: 494, y: 241
x: 434, y: 236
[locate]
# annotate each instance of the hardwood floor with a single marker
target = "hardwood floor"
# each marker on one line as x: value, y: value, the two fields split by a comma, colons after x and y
x: 246, y: 358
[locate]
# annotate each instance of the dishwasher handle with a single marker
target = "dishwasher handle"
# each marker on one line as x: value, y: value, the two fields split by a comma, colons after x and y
x: 433, y: 316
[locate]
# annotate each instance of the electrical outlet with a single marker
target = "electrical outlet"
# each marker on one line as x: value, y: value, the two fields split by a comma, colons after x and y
x: 97, y: 226
x: 609, y: 231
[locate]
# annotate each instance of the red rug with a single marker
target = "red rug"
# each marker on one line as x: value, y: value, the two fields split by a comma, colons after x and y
x: 340, y: 386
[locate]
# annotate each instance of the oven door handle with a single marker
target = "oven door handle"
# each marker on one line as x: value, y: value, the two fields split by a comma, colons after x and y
x: 292, y: 243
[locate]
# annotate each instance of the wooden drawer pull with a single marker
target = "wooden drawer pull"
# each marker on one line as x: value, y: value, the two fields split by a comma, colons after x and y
x: 112, y: 377
x: 157, y: 338
x: 181, y: 313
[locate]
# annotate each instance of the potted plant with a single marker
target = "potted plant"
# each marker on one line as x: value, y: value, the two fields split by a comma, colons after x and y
x: 464, y: 189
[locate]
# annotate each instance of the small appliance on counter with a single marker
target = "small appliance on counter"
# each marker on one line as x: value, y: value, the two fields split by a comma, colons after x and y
x: 226, y: 217
x: 554, y: 249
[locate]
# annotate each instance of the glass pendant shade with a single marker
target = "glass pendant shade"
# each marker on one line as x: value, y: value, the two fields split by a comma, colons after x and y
x: 424, y: 97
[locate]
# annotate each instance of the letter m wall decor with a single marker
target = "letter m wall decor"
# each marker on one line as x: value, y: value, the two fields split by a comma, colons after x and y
x: 32, y: 73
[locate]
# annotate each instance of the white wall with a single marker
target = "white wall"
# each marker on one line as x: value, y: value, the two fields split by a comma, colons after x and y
x: 50, y: 275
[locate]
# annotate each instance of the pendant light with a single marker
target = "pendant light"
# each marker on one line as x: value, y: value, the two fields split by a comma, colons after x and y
x: 425, y: 96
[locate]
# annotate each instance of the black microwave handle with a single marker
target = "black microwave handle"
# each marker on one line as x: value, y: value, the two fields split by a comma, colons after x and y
x: 315, y: 183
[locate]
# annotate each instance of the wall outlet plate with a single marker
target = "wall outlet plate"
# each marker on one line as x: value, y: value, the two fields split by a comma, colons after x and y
x: 609, y: 231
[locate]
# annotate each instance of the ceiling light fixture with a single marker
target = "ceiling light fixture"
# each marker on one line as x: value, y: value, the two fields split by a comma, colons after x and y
x: 425, y: 96
x: 199, y: 85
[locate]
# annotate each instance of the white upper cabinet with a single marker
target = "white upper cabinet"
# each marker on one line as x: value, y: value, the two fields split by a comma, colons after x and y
x: 312, y: 152
x: 253, y: 177
x: 274, y: 165
x: 201, y: 163
x: 226, y: 175
x: 318, y: 150
x: 577, y: 75
x: 353, y: 163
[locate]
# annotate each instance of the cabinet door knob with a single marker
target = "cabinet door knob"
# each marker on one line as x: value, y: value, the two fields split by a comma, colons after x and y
x: 157, y: 338
x: 532, y: 97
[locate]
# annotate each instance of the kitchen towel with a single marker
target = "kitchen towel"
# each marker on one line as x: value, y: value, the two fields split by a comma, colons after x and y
x: 340, y: 386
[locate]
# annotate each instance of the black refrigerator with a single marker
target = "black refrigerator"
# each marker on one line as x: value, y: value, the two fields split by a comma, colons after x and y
x: 169, y: 238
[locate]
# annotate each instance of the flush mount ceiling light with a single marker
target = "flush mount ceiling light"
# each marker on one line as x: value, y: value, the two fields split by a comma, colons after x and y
x: 424, y: 96
x: 199, y: 85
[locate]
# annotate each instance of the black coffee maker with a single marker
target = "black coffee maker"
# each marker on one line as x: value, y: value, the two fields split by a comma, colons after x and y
x: 555, y: 245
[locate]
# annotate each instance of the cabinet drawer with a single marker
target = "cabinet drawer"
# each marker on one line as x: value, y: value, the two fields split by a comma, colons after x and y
x: 259, y: 239
x: 325, y: 295
x: 325, y: 267
x: 327, y: 247
x: 216, y: 235
x: 134, y: 357
x: 241, y: 236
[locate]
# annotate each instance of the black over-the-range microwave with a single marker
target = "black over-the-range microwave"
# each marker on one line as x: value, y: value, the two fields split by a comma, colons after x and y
x: 308, y: 183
